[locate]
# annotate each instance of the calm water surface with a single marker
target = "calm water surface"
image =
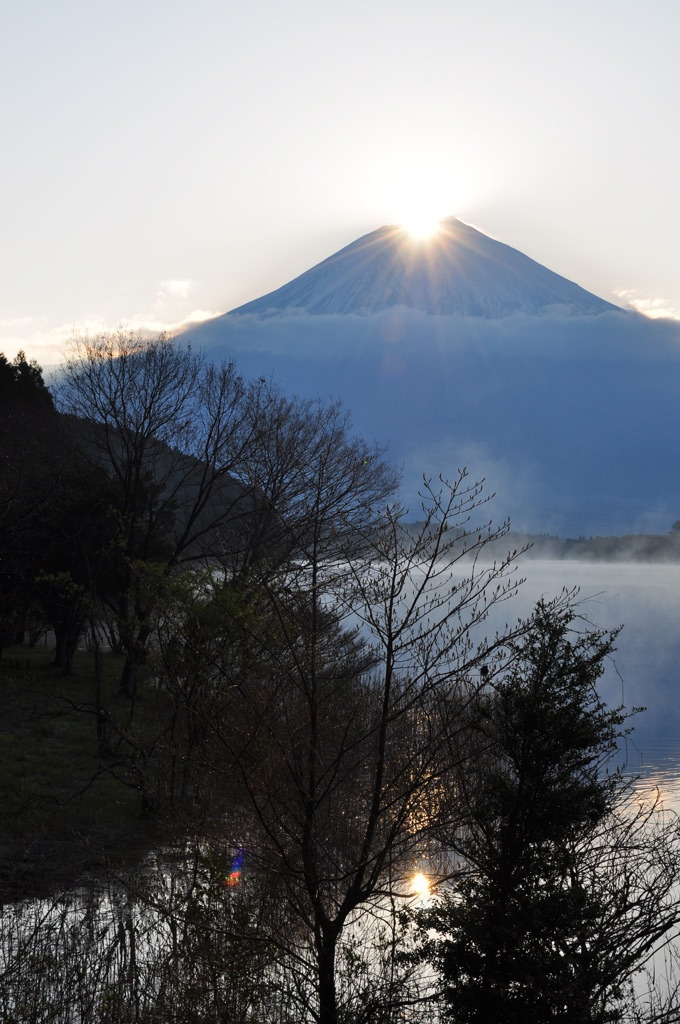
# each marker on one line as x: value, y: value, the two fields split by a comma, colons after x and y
x: 645, y: 670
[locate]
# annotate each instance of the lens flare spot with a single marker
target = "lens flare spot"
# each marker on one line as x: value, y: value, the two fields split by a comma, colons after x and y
x: 234, y: 876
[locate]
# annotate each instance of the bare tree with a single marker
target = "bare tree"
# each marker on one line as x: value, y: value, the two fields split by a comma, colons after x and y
x: 204, y: 466
x: 338, y: 721
x: 318, y: 682
x: 202, y: 472
x: 163, y: 427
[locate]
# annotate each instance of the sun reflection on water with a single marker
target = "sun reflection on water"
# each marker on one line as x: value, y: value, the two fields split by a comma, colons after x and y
x: 420, y: 885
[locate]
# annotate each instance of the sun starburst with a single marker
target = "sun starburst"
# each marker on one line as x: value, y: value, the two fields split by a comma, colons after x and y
x: 421, y: 228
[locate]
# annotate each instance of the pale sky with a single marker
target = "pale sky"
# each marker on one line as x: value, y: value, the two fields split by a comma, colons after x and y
x: 164, y: 161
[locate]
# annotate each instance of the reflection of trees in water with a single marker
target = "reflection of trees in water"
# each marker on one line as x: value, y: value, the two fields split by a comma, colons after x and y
x: 175, y: 944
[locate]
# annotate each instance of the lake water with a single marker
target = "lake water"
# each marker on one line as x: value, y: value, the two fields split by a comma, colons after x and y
x: 645, y: 670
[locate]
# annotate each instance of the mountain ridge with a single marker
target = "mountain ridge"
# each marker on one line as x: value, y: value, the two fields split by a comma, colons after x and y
x: 459, y: 270
x: 572, y: 418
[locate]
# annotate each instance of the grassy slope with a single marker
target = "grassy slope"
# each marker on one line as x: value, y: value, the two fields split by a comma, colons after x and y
x: 62, y: 806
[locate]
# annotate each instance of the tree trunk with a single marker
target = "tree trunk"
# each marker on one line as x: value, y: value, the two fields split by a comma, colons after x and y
x: 128, y: 678
x: 59, y: 646
x: 328, y: 1010
x: 70, y: 648
x: 135, y: 655
x: 103, y: 720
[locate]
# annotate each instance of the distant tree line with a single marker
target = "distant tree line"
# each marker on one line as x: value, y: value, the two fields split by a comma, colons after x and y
x: 634, y: 547
x: 330, y: 718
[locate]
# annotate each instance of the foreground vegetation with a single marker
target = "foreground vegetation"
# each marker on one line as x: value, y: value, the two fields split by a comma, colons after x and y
x: 66, y: 810
x: 308, y: 711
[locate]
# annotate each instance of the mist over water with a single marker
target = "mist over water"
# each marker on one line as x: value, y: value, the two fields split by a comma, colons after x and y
x: 572, y: 419
x: 645, y: 669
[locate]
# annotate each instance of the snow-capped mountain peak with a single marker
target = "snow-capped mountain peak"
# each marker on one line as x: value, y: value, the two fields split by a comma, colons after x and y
x: 459, y: 270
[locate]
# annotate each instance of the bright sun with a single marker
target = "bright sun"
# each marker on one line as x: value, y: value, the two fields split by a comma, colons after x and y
x: 421, y: 227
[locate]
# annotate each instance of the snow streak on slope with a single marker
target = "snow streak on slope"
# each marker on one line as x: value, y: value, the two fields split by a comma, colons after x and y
x: 459, y: 270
